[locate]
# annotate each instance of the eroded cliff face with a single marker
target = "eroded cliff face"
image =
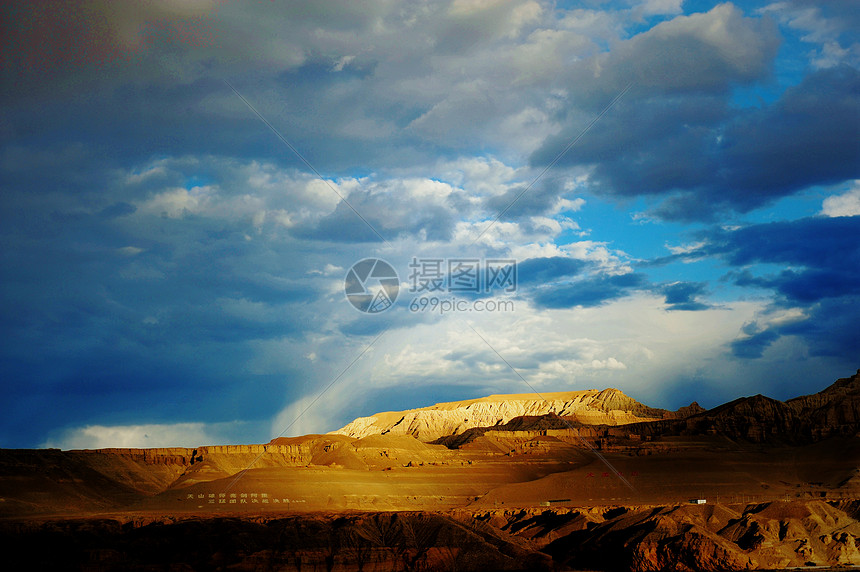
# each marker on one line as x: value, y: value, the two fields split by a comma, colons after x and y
x: 590, y: 407
x: 150, y: 471
x: 705, y: 538
x: 772, y: 535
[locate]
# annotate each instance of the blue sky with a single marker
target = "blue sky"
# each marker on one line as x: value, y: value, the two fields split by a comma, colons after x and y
x: 173, y: 271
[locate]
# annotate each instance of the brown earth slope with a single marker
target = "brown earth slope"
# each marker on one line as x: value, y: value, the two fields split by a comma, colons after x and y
x: 573, y: 478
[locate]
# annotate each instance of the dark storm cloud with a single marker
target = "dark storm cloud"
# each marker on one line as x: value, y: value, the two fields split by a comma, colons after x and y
x: 817, y: 243
x: 98, y: 59
x: 307, y: 68
x: 706, y: 158
x: 544, y: 270
x: 555, y: 282
x: 684, y: 296
x: 676, y: 137
x: 821, y: 277
x: 123, y: 307
x: 590, y: 292
x: 754, y: 345
x: 810, y: 136
x: 111, y: 315
x: 829, y: 328
x: 806, y: 286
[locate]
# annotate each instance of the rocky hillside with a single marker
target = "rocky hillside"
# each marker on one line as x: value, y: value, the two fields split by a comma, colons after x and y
x: 480, y: 445
x: 354, y: 542
x: 832, y: 412
x: 49, y: 480
x: 589, y: 407
x: 764, y: 536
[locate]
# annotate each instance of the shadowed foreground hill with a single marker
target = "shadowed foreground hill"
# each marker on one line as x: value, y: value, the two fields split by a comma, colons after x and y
x: 762, y: 536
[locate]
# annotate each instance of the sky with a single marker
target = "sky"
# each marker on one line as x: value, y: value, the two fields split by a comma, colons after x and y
x: 185, y: 186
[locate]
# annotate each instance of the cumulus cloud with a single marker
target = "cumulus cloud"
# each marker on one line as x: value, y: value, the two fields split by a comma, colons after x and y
x: 389, y: 208
x: 701, y: 52
x: 165, y: 252
x: 676, y: 136
x: 579, y: 348
x: 828, y: 27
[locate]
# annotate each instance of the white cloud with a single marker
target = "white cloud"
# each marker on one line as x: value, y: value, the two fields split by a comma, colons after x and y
x: 685, y: 248
x: 129, y: 250
x: 178, y: 203
x: 258, y: 193
x: 846, y: 204
x: 342, y: 63
x: 816, y: 29
x: 633, y: 344
x: 767, y: 318
x: 479, y: 176
x: 141, y: 436
x: 704, y: 51
x: 659, y: 7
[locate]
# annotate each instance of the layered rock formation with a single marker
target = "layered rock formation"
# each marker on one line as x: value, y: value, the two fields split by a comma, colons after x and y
x: 767, y: 536
x: 589, y: 407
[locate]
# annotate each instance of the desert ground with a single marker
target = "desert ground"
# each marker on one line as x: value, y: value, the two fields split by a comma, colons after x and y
x: 574, y: 481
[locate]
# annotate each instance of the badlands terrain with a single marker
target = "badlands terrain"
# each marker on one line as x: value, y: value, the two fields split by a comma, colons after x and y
x: 584, y: 480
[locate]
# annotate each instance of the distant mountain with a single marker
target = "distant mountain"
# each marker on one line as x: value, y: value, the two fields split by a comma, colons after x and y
x: 589, y: 407
x: 516, y: 449
x: 832, y: 412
